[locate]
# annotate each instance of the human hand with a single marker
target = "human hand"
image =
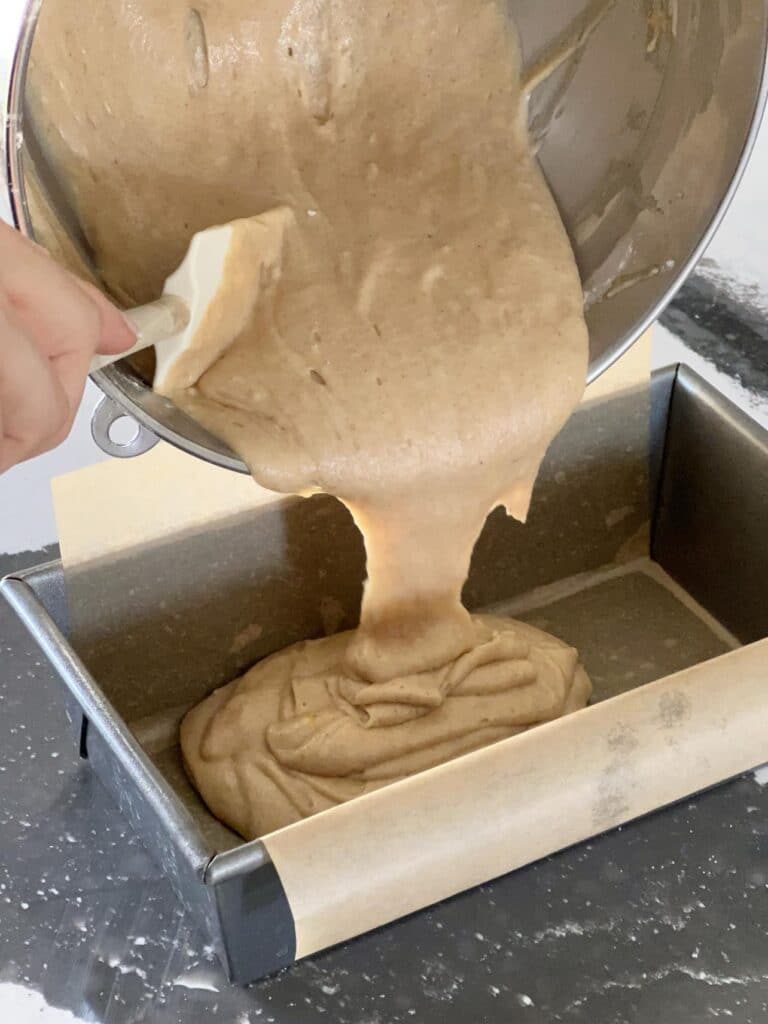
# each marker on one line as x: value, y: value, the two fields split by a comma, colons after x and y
x: 51, y: 325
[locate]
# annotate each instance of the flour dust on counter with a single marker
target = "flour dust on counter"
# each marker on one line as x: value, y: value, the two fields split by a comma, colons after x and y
x: 415, y: 343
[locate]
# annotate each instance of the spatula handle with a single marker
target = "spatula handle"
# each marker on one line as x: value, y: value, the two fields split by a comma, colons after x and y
x: 154, y: 323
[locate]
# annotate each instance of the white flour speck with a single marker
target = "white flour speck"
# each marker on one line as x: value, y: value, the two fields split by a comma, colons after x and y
x: 199, y: 979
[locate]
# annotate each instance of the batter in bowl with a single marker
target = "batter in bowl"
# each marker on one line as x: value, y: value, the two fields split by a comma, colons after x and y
x: 416, y: 341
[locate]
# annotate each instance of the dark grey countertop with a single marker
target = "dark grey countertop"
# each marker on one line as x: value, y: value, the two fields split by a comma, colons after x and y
x: 731, y: 337
x: 662, y: 922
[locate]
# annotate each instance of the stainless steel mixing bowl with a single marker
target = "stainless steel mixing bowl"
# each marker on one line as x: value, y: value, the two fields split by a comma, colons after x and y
x: 643, y: 131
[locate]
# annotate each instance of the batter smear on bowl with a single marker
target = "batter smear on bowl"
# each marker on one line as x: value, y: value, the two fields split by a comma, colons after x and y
x: 416, y: 342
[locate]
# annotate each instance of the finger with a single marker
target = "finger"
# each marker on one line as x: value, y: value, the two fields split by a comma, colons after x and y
x: 72, y: 370
x: 54, y: 308
x: 117, y: 335
x: 35, y: 406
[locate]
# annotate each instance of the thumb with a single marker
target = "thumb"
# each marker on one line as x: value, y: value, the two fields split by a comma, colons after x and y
x: 116, y: 334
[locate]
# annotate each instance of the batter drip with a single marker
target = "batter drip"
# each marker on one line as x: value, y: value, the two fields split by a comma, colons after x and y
x: 416, y: 342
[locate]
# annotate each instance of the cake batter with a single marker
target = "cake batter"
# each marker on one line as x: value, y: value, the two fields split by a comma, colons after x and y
x: 417, y: 340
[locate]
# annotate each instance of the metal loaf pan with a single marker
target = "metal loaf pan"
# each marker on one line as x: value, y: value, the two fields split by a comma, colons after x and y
x: 166, y: 625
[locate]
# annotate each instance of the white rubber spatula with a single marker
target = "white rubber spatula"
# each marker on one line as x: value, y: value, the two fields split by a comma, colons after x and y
x: 172, y: 323
x: 206, y: 303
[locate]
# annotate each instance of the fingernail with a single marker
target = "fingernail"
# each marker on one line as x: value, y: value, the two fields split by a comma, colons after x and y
x: 129, y: 324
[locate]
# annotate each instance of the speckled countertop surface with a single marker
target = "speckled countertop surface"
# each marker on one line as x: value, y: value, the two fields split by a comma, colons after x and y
x: 663, y: 922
